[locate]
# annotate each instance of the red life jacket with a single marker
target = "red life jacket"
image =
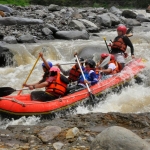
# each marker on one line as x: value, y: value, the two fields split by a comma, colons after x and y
x: 57, y: 87
x: 74, y: 74
x: 119, y: 44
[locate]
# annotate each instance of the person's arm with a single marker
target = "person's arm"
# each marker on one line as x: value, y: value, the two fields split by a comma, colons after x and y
x: 110, y: 68
x: 129, y: 43
x: 45, y: 62
x: 65, y: 72
x: 41, y: 85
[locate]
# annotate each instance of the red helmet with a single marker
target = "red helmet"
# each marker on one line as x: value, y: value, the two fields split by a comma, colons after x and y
x: 104, y: 55
x: 122, y: 28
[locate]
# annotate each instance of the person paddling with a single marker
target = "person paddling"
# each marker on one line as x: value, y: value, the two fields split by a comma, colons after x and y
x: 74, y: 72
x: 55, y: 86
x: 109, y: 69
x: 90, y: 76
x: 119, y: 45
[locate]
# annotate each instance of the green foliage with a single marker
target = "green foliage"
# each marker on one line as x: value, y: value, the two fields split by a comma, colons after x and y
x: 15, y: 2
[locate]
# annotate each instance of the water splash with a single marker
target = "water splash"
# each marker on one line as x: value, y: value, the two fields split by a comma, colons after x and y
x: 22, y: 121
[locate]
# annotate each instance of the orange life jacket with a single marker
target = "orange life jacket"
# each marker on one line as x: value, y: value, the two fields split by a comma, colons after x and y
x: 119, y: 44
x: 116, y: 70
x: 57, y: 87
x: 74, y: 74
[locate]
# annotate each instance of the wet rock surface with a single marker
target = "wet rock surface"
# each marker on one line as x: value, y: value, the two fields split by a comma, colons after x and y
x: 77, y: 132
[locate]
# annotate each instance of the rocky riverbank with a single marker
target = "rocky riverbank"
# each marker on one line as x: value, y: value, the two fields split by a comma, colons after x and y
x: 81, y: 132
x: 32, y: 23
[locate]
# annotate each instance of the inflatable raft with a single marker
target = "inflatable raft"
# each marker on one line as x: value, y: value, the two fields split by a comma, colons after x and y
x: 22, y: 105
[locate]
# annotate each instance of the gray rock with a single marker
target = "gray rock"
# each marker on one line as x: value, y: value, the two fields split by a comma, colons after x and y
x: 54, y: 7
x: 47, y: 31
x: 118, y: 138
x: 10, y: 39
x: 58, y: 145
x: 20, y: 21
x: 40, y: 12
x: 132, y: 22
x: 6, y: 8
x: 114, y: 19
x: 72, y: 35
x: 88, y: 23
x: 129, y: 14
x: 49, y: 133
x: 104, y: 20
x: 115, y: 10
x: 50, y: 16
x: 52, y: 27
x: 77, y: 25
x: 26, y: 39
x: 142, y: 18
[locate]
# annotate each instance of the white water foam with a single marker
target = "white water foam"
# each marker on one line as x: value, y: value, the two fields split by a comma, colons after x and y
x: 32, y: 120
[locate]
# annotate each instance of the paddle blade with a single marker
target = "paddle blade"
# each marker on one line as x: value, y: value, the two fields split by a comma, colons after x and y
x: 105, y: 61
x: 4, y: 91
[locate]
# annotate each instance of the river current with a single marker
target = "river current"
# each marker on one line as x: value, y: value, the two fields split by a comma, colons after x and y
x: 132, y: 99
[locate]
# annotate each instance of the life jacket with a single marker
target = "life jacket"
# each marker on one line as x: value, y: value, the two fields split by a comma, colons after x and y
x: 116, y: 70
x: 74, y: 74
x: 118, y: 43
x: 87, y: 76
x: 57, y: 87
x: 118, y: 67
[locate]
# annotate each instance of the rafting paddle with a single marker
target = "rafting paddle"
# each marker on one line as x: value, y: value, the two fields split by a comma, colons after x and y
x: 89, y: 90
x: 5, y: 91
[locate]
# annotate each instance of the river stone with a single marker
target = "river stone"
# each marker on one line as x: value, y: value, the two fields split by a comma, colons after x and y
x: 142, y: 18
x: 115, y: 11
x: 71, y: 133
x: 20, y: 21
x: 129, y: 14
x: 114, y: 19
x: 58, y: 145
x: 118, y: 138
x: 52, y: 27
x: 54, y: 7
x: 77, y: 25
x: 88, y: 23
x: 49, y: 133
x: 26, y: 39
x: 47, y: 31
x: 72, y: 35
x: 6, y: 8
x: 10, y: 39
x: 132, y: 22
x: 104, y: 20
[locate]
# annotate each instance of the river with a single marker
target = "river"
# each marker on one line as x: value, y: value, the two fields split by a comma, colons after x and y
x: 134, y: 99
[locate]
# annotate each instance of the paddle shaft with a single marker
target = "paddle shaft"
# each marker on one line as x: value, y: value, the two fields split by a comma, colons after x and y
x: 82, y: 74
x: 29, y: 74
x: 107, y: 45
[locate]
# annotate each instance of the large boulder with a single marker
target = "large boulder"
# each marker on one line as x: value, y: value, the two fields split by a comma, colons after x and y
x: 132, y: 22
x: 89, y: 25
x: 148, y: 9
x: 129, y: 14
x: 77, y: 25
x: 142, y: 18
x: 72, y: 35
x: 6, y: 8
x: 26, y: 39
x: 115, y: 11
x: 118, y: 138
x: 20, y: 21
x: 104, y: 20
x: 54, y: 7
x: 10, y: 39
x: 114, y: 19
